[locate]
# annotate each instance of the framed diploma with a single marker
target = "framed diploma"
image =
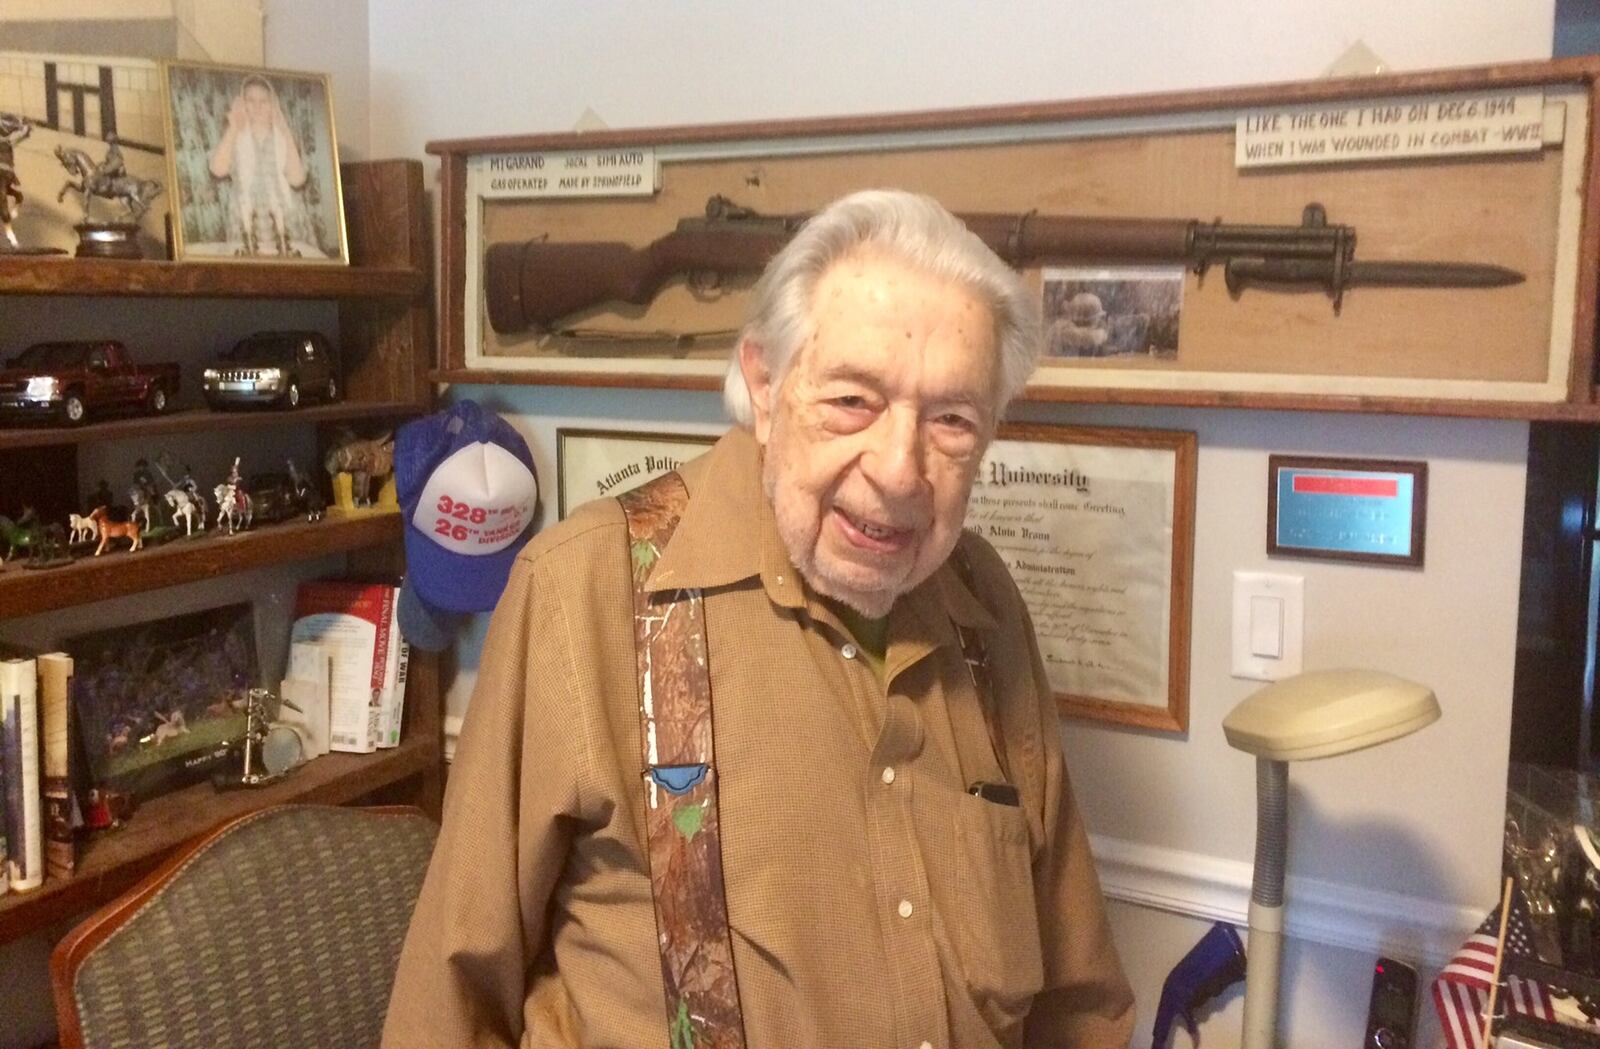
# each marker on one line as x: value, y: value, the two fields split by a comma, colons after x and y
x: 1097, y: 528
x: 591, y: 464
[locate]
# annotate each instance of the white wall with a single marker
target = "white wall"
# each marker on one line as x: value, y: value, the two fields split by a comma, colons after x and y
x: 326, y: 36
x: 1392, y: 848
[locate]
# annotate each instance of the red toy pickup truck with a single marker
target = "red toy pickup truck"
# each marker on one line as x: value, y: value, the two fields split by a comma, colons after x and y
x: 72, y: 380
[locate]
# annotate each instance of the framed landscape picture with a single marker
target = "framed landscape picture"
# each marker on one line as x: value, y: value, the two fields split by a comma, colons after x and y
x: 159, y: 704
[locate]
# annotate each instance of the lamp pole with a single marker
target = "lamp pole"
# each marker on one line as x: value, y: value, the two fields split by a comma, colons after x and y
x: 1266, y: 905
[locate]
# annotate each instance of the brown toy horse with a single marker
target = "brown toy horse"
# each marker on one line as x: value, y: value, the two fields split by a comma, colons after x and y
x: 110, y: 530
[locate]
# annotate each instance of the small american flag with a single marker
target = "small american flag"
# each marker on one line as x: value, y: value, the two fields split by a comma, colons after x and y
x: 1461, y: 993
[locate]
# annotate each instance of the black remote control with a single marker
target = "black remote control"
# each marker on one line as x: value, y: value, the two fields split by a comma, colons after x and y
x: 1391, y: 1018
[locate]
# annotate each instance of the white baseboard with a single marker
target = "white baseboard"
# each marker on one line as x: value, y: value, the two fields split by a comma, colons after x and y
x: 1214, y: 889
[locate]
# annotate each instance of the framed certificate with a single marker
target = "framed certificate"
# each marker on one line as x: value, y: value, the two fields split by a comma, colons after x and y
x: 592, y: 464
x: 1097, y: 528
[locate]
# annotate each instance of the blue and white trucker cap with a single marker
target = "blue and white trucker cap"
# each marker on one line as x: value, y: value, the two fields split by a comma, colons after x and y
x: 468, y: 494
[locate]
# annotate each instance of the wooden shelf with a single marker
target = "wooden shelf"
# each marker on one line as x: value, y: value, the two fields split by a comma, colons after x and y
x: 112, y: 861
x: 195, y: 420
x: 521, y: 377
x: 64, y: 275
x: 25, y: 591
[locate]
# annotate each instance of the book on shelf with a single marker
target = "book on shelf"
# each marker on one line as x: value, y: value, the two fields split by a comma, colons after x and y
x: 19, y: 737
x: 5, y: 823
x: 55, y: 720
x: 308, y: 686
x: 356, y: 623
x: 398, y: 706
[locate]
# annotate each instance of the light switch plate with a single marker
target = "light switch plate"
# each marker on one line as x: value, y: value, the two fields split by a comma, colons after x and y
x: 1268, y: 615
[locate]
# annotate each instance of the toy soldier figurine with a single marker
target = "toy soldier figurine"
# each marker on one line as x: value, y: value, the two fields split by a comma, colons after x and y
x: 143, y: 493
x: 113, y: 166
x: 101, y: 496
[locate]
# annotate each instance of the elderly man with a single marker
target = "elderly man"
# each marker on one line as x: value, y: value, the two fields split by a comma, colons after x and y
x: 884, y: 849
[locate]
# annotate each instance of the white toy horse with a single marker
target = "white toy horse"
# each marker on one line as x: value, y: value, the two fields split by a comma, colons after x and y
x: 84, y: 529
x: 184, y: 507
x: 234, y: 510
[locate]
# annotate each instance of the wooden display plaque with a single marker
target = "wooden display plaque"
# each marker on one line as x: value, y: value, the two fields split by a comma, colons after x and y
x: 1488, y: 166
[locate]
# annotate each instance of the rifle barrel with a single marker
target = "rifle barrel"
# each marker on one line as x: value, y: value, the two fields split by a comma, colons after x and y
x: 1022, y: 239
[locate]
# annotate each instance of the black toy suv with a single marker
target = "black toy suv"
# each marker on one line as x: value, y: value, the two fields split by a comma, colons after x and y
x: 279, y: 368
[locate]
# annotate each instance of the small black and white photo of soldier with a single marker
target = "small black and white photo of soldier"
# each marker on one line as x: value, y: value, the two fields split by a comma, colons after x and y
x: 1112, y: 312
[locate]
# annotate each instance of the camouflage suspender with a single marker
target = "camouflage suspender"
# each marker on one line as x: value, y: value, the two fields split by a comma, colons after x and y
x: 685, y: 840
x: 976, y: 655
x: 681, y: 818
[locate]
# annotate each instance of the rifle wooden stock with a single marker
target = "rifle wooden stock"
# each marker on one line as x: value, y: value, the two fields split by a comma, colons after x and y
x: 536, y: 283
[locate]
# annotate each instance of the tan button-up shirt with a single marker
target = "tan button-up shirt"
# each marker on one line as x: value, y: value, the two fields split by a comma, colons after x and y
x: 874, y: 902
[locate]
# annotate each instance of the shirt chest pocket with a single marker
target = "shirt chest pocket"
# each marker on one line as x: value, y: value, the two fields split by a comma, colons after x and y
x: 983, y: 883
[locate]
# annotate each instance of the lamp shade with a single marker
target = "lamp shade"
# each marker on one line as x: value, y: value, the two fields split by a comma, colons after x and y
x: 1326, y: 712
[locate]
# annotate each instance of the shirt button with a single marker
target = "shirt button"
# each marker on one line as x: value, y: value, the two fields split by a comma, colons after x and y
x: 888, y: 774
x: 848, y: 651
x: 905, y: 908
x: 925, y: 1045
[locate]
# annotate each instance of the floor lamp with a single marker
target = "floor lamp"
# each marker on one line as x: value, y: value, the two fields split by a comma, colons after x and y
x: 1312, y: 715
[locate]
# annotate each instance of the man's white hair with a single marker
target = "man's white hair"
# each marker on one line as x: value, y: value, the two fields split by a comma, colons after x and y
x: 910, y: 228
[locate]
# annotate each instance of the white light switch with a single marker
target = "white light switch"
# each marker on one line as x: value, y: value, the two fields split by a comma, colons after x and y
x: 1268, y: 625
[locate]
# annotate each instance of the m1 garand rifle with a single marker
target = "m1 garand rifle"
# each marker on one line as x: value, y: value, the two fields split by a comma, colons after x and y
x: 533, y: 284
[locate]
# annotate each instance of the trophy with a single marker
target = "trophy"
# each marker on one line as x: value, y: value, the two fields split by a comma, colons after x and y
x: 13, y: 129
x: 108, y: 180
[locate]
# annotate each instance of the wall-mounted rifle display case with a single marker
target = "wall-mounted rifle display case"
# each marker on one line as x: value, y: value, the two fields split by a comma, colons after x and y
x: 1449, y: 267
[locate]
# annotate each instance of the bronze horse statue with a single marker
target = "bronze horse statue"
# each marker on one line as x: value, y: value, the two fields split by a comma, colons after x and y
x: 108, y: 180
x: 362, y: 460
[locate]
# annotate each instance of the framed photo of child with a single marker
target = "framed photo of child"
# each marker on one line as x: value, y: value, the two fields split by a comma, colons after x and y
x: 254, y: 166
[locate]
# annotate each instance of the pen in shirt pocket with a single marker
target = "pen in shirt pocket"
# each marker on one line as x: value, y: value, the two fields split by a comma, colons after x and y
x: 999, y: 793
